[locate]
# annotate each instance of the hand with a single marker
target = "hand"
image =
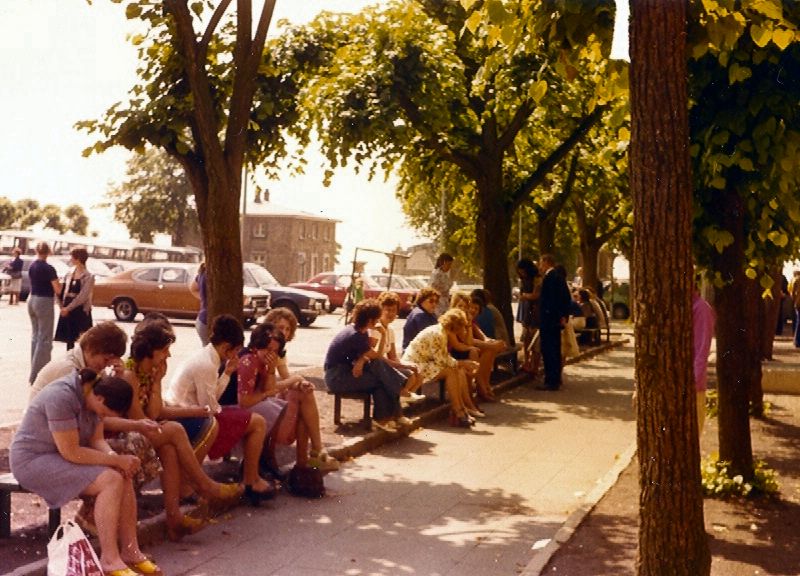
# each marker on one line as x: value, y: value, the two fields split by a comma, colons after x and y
x: 231, y: 365
x: 269, y: 358
x: 147, y: 426
x: 159, y: 371
x: 115, y: 368
x: 358, y: 369
x: 128, y: 464
x: 64, y: 312
x: 305, y: 386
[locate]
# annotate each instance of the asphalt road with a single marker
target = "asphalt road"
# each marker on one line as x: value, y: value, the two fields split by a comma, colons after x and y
x: 307, y: 349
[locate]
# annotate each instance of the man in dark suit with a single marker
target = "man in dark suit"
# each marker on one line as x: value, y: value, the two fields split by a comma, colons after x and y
x: 554, y: 314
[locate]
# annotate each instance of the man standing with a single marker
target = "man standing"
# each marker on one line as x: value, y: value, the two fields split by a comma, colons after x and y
x: 554, y: 313
x: 44, y: 287
x: 702, y: 332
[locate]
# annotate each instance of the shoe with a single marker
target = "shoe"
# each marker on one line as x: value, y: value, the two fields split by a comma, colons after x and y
x: 186, y: 527
x: 412, y: 398
x: 460, y: 421
x: 404, y: 421
x: 323, y: 461
x: 255, y: 497
x: 229, y: 492
x: 476, y: 413
x: 388, y: 426
x: 148, y: 567
x: 486, y: 397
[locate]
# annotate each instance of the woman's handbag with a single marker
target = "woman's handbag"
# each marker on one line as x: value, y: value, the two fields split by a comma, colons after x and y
x: 69, y: 553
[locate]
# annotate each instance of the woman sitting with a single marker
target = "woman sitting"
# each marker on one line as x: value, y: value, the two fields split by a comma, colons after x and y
x: 291, y: 411
x: 285, y: 322
x: 351, y: 365
x: 474, y: 343
x: 59, y: 453
x: 429, y: 353
x: 382, y: 340
x: 199, y: 384
x: 422, y: 316
x: 146, y: 368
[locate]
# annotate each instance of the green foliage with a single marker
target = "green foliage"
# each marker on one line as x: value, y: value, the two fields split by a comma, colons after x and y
x: 27, y: 213
x: 77, y: 221
x: 717, y: 482
x: 745, y: 127
x: 155, y: 197
x: 8, y: 213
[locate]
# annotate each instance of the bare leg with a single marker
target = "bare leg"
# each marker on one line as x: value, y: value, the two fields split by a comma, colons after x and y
x: 453, y: 383
x: 128, y: 539
x: 253, y: 446
x: 170, y: 483
x: 109, y: 489
x: 309, y: 415
x: 302, y: 443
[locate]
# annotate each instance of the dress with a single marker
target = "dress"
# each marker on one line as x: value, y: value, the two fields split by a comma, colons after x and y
x: 441, y: 282
x: 428, y: 351
x: 251, y: 377
x: 78, y: 301
x: 34, y: 457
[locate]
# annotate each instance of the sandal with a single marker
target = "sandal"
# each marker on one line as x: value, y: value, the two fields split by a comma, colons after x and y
x: 323, y: 461
x: 147, y: 567
x: 186, y: 527
x: 121, y: 572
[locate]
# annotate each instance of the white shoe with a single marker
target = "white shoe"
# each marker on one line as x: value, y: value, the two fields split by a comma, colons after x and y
x: 404, y: 421
x: 389, y: 426
x: 412, y: 398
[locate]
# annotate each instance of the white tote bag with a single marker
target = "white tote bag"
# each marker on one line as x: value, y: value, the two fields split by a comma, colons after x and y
x: 69, y: 553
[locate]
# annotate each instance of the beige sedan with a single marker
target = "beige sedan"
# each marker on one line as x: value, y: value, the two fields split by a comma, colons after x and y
x: 164, y: 287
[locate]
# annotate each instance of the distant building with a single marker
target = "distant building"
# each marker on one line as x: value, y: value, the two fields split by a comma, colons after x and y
x: 422, y: 258
x: 291, y: 244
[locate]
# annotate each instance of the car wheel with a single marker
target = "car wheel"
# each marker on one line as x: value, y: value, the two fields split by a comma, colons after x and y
x: 306, y: 321
x: 620, y: 312
x: 125, y: 310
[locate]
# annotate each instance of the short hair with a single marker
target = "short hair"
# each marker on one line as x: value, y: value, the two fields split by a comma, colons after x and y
x: 43, y: 249
x: 116, y: 393
x: 225, y: 329
x: 442, y: 258
x: 148, y: 338
x: 453, y: 319
x: 389, y: 298
x: 478, y: 297
x: 458, y: 297
x: 156, y: 318
x: 80, y: 254
x: 526, y: 265
x: 549, y: 258
x: 365, y: 311
x: 427, y: 293
x: 283, y: 313
x: 104, y: 338
x: 263, y: 334
x: 16, y: 251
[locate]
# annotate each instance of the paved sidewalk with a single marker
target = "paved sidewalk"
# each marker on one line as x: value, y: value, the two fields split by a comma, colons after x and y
x: 442, y: 501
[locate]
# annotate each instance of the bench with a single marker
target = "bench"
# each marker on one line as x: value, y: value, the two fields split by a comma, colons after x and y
x: 509, y: 355
x: 9, y: 484
x: 364, y: 397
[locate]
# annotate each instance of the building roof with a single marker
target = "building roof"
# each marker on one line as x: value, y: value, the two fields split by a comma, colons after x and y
x: 270, y: 209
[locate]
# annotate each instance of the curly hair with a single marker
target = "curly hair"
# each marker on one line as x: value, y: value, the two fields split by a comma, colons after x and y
x: 453, y: 320
x: 150, y: 337
x: 283, y: 313
x: 389, y: 298
x: 365, y: 311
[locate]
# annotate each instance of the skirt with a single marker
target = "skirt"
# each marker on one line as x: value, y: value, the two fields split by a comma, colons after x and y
x: 233, y: 422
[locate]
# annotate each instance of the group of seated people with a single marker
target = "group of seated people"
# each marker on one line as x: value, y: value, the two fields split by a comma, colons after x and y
x: 104, y: 427
x: 452, y: 347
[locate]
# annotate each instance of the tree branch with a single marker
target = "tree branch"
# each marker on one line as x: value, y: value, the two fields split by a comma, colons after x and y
x: 219, y: 11
x: 556, y: 156
x: 516, y: 124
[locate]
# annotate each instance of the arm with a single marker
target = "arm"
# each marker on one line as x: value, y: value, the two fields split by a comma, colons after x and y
x: 456, y: 344
x: 100, y: 453
x: 247, y: 375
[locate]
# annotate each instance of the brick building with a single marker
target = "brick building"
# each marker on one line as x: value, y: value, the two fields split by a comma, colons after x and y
x: 291, y: 244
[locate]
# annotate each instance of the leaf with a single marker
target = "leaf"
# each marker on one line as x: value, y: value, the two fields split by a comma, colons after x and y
x: 761, y: 36
x: 467, y: 4
x: 473, y: 22
x: 738, y: 73
x: 782, y: 38
x: 132, y: 11
x: 778, y: 238
x: 717, y: 182
x: 769, y: 8
x: 624, y: 134
x: 497, y: 12
x: 537, y: 91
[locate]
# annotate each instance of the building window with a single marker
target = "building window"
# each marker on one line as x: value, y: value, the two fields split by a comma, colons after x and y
x: 326, y: 262
x: 302, y: 230
x: 314, y: 231
x: 326, y: 234
x: 302, y: 267
x: 260, y: 230
x: 259, y: 258
x: 314, y: 264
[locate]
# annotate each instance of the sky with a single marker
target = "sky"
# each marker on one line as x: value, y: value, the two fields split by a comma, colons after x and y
x: 67, y: 61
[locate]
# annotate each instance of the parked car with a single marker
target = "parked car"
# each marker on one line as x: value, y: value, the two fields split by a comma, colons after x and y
x: 117, y: 265
x: 164, y: 287
x: 27, y: 259
x: 306, y: 305
x: 617, y: 298
x: 5, y: 284
x: 335, y: 285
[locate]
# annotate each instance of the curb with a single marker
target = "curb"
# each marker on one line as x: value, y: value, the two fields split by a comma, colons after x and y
x: 153, y: 530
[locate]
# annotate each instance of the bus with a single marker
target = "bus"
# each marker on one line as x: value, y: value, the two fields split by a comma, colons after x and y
x: 26, y: 241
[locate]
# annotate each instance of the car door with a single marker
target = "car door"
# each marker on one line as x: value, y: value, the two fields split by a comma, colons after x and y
x: 173, y: 292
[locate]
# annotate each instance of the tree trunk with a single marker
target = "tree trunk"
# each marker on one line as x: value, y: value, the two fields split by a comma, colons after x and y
x: 589, y: 258
x: 672, y: 540
x: 218, y: 212
x: 546, y: 225
x: 737, y: 338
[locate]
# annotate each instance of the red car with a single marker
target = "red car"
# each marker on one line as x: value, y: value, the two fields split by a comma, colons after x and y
x: 335, y: 286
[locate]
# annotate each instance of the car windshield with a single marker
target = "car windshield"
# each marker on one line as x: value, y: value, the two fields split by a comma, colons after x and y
x: 397, y: 281
x: 260, y: 276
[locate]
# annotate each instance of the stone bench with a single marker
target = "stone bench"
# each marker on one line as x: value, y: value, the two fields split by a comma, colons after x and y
x: 9, y: 484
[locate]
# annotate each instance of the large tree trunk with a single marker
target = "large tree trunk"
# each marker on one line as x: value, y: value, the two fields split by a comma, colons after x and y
x: 738, y: 339
x: 546, y: 231
x: 589, y: 258
x: 671, y: 535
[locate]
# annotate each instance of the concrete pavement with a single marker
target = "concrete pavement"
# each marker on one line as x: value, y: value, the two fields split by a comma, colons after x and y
x: 442, y: 501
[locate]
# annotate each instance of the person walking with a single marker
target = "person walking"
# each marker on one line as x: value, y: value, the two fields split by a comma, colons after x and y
x: 14, y: 269
x: 44, y: 287
x: 441, y: 281
x: 553, y: 316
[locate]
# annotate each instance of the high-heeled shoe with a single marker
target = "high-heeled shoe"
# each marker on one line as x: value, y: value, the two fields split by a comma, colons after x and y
x: 256, y: 497
x: 476, y: 413
x: 485, y: 396
x: 186, y: 527
x: 227, y: 492
x: 460, y: 421
x: 147, y: 567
